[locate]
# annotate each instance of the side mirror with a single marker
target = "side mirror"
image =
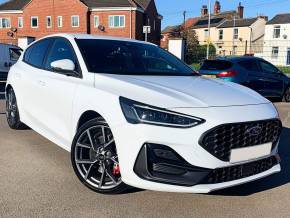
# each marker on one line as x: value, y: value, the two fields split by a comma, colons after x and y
x: 65, y: 66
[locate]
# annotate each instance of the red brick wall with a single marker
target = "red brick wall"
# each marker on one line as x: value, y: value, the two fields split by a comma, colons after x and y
x: 42, y: 9
x: 104, y: 20
x: 67, y: 8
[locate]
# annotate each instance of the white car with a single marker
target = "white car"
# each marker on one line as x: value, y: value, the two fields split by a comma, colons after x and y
x: 133, y: 115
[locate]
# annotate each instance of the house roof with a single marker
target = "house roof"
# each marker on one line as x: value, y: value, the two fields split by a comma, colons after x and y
x: 20, y: 4
x: 238, y: 23
x: 171, y: 29
x: 13, y: 5
x: 280, y: 19
x: 202, y: 23
x: 190, y: 22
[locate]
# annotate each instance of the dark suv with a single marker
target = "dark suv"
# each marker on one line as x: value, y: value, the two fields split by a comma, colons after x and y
x: 255, y: 73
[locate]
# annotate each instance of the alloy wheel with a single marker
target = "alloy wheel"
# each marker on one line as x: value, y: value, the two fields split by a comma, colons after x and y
x: 11, y: 106
x: 96, y: 158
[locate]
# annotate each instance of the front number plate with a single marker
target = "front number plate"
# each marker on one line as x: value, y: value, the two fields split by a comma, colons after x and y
x: 249, y: 153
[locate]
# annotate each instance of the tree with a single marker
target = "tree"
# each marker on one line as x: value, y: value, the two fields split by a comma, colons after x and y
x: 192, y: 45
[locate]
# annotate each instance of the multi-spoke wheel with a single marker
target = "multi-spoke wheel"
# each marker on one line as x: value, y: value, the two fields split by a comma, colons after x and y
x: 12, y: 113
x: 286, y: 97
x: 95, y: 160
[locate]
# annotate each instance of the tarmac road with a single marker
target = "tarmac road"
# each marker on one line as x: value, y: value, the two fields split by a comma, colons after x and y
x: 36, y: 180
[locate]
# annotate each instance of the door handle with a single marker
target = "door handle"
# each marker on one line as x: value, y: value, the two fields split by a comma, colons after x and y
x: 41, y: 83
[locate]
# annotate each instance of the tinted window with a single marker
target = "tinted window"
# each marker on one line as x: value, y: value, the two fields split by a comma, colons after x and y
x: 14, y: 53
x: 268, y: 68
x: 130, y: 58
x: 250, y: 65
x: 216, y: 65
x: 36, y: 53
x: 60, y: 50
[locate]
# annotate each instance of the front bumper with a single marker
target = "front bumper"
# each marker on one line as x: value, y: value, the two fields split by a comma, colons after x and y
x: 131, y: 138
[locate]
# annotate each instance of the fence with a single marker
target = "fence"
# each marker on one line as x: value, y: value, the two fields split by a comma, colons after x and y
x: 277, y: 52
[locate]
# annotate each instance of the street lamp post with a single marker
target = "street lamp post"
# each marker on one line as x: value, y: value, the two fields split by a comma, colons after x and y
x: 209, y: 17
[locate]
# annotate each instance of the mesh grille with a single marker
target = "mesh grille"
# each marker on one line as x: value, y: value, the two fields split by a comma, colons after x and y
x: 221, y: 140
x: 240, y: 171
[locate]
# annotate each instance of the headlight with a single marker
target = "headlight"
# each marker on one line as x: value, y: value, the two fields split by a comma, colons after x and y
x: 136, y: 112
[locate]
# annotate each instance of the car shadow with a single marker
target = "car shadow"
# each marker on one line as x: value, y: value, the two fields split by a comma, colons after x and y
x: 270, y: 182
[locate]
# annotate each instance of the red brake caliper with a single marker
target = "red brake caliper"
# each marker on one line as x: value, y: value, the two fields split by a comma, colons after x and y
x: 116, y: 169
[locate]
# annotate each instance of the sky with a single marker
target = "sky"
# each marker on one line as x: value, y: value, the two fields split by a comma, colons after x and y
x: 172, y: 10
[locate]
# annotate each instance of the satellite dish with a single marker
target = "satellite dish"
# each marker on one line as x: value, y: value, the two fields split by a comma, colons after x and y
x: 13, y: 29
x: 10, y: 34
x: 101, y: 27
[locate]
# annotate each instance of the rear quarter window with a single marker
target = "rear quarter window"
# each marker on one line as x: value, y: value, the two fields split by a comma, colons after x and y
x: 250, y: 65
x: 216, y: 65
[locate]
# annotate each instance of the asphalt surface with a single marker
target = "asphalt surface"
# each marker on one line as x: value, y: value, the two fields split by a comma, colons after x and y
x: 36, y: 180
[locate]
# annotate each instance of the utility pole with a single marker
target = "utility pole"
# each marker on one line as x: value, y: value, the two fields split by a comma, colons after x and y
x: 209, y: 17
x: 184, y: 18
x: 234, y: 34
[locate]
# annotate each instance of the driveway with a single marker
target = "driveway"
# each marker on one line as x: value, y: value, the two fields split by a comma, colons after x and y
x: 36, y: 180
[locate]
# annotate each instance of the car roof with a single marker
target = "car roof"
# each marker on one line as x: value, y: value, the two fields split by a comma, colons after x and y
x: 237, y: 59
x: 73, y: 36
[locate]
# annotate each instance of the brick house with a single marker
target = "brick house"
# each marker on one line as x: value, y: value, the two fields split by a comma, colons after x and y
x: 38, y: 18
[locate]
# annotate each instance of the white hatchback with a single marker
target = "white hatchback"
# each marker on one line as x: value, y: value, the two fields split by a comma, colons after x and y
x: 134, y: 115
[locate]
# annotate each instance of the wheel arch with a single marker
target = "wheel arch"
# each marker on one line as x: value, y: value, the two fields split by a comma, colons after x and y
x: 87, y: 116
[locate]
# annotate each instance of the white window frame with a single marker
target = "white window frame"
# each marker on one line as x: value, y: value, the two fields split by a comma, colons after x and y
x: 59, y: 21
x: 96, y: 18
x: 275, y: 31
x: 20, y: 20
x: 78, y: 20
x: 113, y: 16
x: 236, y: 33
x: 34, y: 17
x: 47, y: 26
x: 275, y: 52
x: 1, y: 22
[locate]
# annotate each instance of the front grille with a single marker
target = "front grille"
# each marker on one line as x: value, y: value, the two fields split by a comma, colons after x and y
x: 240, y: 171
x: 221, y: 140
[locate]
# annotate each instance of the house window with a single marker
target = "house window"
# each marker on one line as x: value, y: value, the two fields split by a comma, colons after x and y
x: 5, y: 23
x: 75, y: 21
x: 117, y: 21
x: 235, y: 48
x: 34, y: 22
x: 236, y: 33
x: 221, y: 34
x: 20, y: 22
x: 96, y: 21
x: 48, y: 22
x: 277, y: 31
x: 275, y: 52
x: 154, y: 24
x: 206, y: 34
x: 59, y: 21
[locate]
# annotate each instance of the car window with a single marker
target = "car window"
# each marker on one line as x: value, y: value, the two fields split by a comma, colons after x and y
x: 14, y: 53
x: 130, y: 58
x: 35, y: 54
x: 268, y: 68
x: 250, y: 65
x: 60, y: 50
x: 216, y: 65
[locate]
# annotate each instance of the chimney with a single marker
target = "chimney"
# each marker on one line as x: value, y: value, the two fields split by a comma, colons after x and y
x: 241, y: 11
x: 204, y: 11
x: 217, y: 7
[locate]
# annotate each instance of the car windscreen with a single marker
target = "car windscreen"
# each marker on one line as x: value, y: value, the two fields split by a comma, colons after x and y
x: 130, y: 58
x: 216, y: 65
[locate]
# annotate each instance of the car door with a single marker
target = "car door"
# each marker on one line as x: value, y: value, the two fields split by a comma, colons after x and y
x: 273, y: 79
x: 253, y: 75
x: 58, y: 91
x: 27, y: 81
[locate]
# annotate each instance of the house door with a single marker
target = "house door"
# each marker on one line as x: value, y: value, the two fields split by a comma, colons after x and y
x: 288, y: 56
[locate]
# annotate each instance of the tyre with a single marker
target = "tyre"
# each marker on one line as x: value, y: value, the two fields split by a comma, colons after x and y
x: 94, y: 158
x: 12, y: 112
x: 286, y: 96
